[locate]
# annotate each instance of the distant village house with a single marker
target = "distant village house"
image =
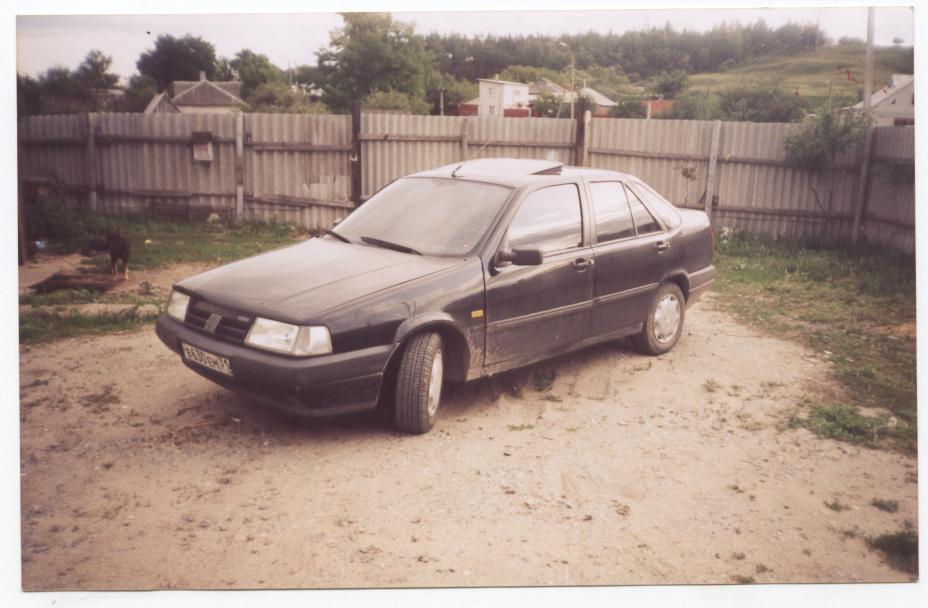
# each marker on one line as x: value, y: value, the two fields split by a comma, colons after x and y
x: 199, y: 97
x: 894, y: 104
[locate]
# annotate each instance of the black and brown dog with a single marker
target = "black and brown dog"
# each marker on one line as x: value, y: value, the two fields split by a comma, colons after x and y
x: 118, y: 248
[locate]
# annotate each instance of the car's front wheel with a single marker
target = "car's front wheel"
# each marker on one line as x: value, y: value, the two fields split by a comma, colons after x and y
x: 418, y: 383
x: 664, y: 324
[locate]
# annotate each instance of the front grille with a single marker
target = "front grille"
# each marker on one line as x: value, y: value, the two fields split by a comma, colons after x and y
x: 218, y: 320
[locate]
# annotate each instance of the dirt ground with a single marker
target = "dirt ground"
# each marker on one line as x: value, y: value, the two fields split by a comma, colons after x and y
x: 139, y: 474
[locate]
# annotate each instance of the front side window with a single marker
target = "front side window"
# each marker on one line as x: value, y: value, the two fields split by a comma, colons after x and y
x: 435, y: 216
x: 611, y: 214
x: 644, y: 221
x: 549, y: 219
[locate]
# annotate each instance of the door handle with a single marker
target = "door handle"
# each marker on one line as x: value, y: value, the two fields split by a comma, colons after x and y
x: 581, y: 264
x: 662, y: 246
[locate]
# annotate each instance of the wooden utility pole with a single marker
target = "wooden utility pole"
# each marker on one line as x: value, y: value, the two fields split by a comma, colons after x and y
x: 581, y: 144
x: 863, y: 179
x: 868, y: 78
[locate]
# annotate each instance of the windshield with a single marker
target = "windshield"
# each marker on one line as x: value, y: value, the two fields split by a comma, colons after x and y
x: 434, y: 216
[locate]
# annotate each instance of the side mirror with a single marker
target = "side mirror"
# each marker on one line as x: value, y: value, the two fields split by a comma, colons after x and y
x: 520, y: 257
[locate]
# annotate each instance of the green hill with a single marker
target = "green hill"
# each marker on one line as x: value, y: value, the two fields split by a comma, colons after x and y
x: 813, y: 74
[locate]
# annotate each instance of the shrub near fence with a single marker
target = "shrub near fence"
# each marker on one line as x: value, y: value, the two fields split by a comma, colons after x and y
x: 311, y: 169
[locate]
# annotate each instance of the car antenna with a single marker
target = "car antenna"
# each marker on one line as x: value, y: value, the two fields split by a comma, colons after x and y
x: 456, y: 169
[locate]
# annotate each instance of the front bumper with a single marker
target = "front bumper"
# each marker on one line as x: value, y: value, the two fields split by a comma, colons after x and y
x: 313, y: 386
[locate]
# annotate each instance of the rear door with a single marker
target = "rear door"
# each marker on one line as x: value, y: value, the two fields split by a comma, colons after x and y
x: 533, y: 311
x: 629, y: 248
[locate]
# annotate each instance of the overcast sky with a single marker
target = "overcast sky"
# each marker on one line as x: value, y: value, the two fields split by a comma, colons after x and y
x: 292, y: 39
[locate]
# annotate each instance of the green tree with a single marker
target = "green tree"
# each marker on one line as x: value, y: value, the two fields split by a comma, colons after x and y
x: 693, y: 105
x: 254, y: 69
x: 396, y: 100
x: 549, y: 106
x: 139, y: 93
x: 28, y: 95
x: 307, y: 75
x: 94, y: 71
x: 628, y: 108
x: 178, y: 59
x: 279, y: 97
x: 372, y: 52
x: 670, y: 84
x: 455, y: 91
x: 761, y: 103
x: 819, y: 141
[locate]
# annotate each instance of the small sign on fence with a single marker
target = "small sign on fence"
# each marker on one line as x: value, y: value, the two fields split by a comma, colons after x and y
x: 202, y: 146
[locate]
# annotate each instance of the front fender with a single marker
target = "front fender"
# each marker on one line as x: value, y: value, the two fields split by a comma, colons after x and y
x: 458, y: 347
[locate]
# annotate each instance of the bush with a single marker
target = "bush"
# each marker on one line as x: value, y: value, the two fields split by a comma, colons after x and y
x: 821, y: 138
x: 761, y: 103
x: 628, y: 109
x: 694, y: 106
x: 50, y: 218
x: 670, y: 84
x: 395, y: 100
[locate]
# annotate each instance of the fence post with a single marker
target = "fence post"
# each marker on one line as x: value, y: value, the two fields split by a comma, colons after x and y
x: 91, y: 161
x: 862, y: 186
x: 711, y: 176
x: 356, y: 153
x: 239, y: 165
x: 580, y: 144
x: 465, y: 152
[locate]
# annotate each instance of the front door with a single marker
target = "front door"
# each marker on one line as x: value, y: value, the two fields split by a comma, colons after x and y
x: 534, y: 311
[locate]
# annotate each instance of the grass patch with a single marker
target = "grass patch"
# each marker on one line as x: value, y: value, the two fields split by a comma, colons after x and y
x: 36, y: 327
x: 520, y: 427
x: 855, y: 308
x: 817, y: 73
x: 890, y: 506
x: 154, y: 243
x: 711, y: 385
x: 844, y: 423
x: 900, y: 549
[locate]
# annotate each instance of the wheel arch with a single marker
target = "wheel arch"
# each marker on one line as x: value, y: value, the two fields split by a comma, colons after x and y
x: 457, y: 350
x: 682, y: 280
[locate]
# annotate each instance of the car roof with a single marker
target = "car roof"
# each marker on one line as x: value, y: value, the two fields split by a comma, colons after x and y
x: 516, y: 172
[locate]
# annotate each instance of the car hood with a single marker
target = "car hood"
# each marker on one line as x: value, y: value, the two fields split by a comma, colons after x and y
x: 299, y: 282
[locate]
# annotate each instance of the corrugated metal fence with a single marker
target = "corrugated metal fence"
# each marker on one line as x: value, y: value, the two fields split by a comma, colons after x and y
x: 300, y: 168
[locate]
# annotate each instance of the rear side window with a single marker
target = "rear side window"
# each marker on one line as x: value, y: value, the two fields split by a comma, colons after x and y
x: 612, y: 216
x: 644, y: 221
x: 549, y: 220
x: 659, y: 204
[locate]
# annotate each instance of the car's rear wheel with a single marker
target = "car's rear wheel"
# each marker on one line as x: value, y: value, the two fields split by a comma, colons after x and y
x: 418, y: 383
x: 664, y: 324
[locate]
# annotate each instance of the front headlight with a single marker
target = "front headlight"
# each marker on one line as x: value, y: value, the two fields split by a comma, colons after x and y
x: 295, y: 340
x: 177, y: 305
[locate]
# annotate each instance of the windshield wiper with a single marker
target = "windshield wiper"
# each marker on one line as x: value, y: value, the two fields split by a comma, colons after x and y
x: 336, y: 235
x: 389, y: 245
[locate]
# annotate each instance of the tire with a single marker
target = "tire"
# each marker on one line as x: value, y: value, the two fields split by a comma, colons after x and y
x: 660, y: 333
x: 418, y: 383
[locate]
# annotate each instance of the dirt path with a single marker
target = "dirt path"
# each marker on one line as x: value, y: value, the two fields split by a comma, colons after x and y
x: 137, y: 473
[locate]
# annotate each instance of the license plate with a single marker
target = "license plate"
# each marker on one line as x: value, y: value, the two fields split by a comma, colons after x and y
x: 206, y: 359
